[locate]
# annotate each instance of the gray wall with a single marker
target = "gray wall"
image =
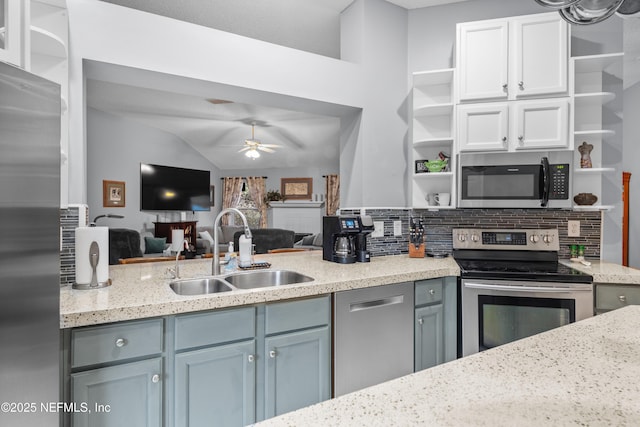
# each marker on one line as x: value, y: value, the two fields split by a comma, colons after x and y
x: 115, y: 149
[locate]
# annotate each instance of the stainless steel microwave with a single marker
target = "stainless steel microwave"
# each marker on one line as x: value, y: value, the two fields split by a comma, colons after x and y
x: 526, y: 185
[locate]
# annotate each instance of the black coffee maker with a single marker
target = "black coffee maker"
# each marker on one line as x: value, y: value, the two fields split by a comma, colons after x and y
x: 366, y: 227
x: 339, y: 238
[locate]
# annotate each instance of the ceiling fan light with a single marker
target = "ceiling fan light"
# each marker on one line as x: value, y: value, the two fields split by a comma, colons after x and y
x: 252, y: 153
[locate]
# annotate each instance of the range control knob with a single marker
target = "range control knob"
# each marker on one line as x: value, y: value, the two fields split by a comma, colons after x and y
x: 474, y: 237
x: 547, y: 238
x: 462, y: 237
x: 534, y: 238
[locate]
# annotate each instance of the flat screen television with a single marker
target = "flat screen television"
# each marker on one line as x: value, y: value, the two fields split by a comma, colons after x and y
x: 168, y: 188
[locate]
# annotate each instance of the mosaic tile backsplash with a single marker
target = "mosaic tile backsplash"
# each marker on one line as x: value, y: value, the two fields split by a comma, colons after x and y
x: 69, y: 220
x: 438, y: 225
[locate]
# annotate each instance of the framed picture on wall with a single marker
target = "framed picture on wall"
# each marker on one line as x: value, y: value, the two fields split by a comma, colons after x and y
x: 113, y: 194
x: 296, y: 188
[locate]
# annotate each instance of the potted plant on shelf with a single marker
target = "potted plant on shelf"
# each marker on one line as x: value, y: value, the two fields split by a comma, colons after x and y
x: 273, y: 196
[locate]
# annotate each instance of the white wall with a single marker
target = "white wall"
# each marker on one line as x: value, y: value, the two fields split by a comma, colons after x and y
x: 373, y: 164
x: 116, y: 148
x: 631, y: 164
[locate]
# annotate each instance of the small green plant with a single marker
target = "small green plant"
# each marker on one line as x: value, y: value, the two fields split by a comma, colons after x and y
x: 273, y: 196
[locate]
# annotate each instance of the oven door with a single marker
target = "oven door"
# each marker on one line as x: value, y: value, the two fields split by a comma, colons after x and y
x: 496, y: 312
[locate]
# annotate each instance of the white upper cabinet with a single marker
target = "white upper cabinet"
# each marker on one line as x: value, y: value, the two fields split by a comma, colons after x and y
x: 11, y: 32
x: 513, y: 58
x: 483, y: 60
x: 536, y: 124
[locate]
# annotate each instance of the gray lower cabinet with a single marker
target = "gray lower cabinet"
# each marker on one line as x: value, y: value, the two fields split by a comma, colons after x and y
x: 610, y: 296
x: 127, y: 394
x: 108, y: 381
x: 297, y: 370
x: 216, y: 384
x: 435, y: 329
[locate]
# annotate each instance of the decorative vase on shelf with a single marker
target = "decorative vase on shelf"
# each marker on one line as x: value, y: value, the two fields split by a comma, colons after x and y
x: 585, y: 155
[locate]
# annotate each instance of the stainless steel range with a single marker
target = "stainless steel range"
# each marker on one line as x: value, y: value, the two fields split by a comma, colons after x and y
x: 512, y: 286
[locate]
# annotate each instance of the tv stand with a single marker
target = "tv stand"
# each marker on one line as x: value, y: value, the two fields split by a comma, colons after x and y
x: 163, y: 229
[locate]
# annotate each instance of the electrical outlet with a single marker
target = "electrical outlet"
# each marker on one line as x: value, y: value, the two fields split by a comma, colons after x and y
x: 573, y: 228
x: 378, y: 229
x: 397, y: 228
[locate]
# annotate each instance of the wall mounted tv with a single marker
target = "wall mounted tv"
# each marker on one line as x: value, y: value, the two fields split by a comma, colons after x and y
x: 167, y: 188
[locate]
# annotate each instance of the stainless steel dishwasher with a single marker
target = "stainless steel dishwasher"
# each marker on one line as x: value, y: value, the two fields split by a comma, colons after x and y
x: 373, y: 336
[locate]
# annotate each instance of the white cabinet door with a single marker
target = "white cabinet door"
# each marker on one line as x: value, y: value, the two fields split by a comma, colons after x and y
x: 539, y: 47
x: 11, y: 37
x: 483, y: 60
x: 541, y: 124
x: 483, y: 127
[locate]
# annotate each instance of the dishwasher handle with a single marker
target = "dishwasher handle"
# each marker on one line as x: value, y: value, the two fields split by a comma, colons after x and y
x: 366, y: 305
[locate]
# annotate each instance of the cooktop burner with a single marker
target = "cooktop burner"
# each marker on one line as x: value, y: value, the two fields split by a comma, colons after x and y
x: 539, y: 271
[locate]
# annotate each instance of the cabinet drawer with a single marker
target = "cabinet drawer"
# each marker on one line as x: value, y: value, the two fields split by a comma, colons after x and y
x: 288, y: 316
x: 101, y: 344
x: 215, y: 327
x: 610, y: 297
x: 428, y: 291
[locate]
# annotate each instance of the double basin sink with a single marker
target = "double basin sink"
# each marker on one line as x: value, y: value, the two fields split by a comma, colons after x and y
x: 235, y: 281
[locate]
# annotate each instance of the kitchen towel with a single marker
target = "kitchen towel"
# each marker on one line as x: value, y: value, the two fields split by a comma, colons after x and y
x: 84, y: 237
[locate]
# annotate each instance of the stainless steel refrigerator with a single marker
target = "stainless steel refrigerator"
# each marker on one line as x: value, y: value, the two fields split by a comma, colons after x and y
x: 29, y: 248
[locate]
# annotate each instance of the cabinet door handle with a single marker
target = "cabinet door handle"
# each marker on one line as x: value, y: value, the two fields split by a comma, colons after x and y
x: 251, y: 358
x: 521, y: 85
x: 504, y: 139
x: 121, y: 342
x: 155, y: 378
x: 420, y: 321
x: 521, y: 139
x: 505, y: 86
x: 623, y: 299
x: 272, y: 354
x: 432, y: 291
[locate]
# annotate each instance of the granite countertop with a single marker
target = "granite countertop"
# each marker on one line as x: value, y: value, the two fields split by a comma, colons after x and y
x: 607, y: 272
x: 142, y: 290
x: 585, y: 373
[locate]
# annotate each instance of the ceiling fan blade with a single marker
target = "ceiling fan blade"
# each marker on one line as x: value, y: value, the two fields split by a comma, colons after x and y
x: 244, y: 149
x: 265, y: 149
x: 271, y: 145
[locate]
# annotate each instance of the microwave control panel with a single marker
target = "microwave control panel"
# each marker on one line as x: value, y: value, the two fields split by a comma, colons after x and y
x: 559, y: 188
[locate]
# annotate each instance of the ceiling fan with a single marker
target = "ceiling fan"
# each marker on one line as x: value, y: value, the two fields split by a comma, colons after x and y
x: 252, y: 146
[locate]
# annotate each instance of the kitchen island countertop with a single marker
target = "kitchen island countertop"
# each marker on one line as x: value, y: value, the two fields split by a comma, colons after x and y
x: 585, y: 373
x: 142, y: 290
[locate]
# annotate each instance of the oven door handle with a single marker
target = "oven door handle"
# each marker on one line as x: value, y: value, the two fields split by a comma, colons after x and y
x: 578, y: 287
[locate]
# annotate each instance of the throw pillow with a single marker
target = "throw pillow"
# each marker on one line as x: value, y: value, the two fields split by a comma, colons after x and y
x: 206, y: 236
x: 308, y: 240
x: 317, y: 241
x: 154, y: 245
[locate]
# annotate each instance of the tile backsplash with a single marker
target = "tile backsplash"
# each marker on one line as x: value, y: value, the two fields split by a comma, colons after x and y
x: 69, y: 220
x: 438, y: 225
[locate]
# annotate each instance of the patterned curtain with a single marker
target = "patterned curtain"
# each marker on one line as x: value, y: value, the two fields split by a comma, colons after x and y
x: 332, y: 202
x: 257, y: 189
x: 231, y: 193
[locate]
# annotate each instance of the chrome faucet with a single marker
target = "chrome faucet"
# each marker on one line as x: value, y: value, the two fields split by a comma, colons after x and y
x: 215, y: 266
x: 175, y: 272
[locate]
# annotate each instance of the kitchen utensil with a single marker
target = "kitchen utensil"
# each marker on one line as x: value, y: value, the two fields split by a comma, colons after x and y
x: 416, y: 239
x: 586, y: 12
x: 556, y: 4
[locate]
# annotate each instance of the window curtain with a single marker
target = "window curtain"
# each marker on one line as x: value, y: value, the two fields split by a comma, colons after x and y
x: 257, y: 189
x: 332, y: 202
x: 231, y: 193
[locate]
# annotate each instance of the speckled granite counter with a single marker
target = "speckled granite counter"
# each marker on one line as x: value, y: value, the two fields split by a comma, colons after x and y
x: 608, y: 272
x: 142, y: 290
x: 585, y: 373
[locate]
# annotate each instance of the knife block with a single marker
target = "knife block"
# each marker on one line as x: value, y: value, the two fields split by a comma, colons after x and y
x: 416, y: 252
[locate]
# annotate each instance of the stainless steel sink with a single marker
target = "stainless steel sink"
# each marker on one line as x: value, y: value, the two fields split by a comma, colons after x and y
x: 265, y: 278
x: 200, y: 286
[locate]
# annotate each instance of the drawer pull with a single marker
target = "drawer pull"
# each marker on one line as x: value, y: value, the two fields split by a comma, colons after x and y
x: 272, y: 354
x: 622, y: 298
x: 251, y: 358
x: 432, y: 291
x: 420, y: 321
x: 121, y: 342
x: 155, y: 378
